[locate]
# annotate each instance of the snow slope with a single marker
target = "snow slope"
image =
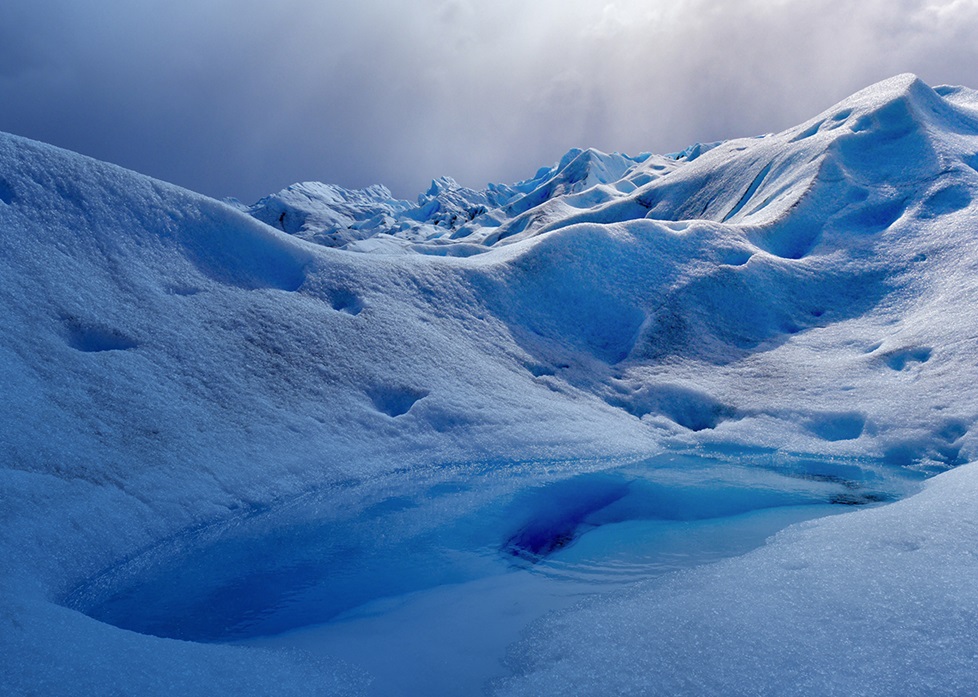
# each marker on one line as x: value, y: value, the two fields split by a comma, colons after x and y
x: 170, y: 363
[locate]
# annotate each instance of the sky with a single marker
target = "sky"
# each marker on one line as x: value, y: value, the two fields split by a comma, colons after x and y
x: 243, y: 97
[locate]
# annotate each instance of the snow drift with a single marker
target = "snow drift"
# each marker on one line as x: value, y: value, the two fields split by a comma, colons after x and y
x: 171, y: 363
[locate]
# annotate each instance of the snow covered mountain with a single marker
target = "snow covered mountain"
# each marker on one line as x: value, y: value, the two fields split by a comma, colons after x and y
x: 447, y: 212
x: 183, y: 380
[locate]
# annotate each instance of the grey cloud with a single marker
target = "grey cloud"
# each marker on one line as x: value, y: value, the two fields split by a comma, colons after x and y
x: 241, y: 97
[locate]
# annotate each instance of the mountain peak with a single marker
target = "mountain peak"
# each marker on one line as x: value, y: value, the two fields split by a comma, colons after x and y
x: 902, y: 98
x: 883, y: 133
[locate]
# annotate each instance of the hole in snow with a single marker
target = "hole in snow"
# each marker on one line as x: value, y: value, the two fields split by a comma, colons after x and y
x: 901, y: 359
x: 6, y: 192
x: 735, y: 257
x: 538, y: 370
x: 395, y: 401
x: 945, y: 201
x: 230, y: 248
x: 689, y: 408
x: 93, y: 338
x: 343, y: 300
x: 808, y: 132
x: 874, y: 217
x: 788, y: 238
x: 837, y: 426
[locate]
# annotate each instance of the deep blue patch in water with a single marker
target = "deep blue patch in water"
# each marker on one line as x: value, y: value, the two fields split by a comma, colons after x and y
x: 317, y: 557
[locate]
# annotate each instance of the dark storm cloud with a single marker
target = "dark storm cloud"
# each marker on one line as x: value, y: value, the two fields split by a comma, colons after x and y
x: 240, y: 97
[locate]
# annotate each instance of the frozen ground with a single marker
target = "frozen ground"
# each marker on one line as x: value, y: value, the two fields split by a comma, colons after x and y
x: 580, y: 387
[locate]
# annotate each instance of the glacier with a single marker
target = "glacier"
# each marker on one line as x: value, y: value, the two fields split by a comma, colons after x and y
x: 634, y: 420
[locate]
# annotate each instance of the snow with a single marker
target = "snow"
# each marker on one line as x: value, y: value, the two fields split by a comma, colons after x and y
x: 335, y: 217
x: 878, y: 602
x: 191, y: 393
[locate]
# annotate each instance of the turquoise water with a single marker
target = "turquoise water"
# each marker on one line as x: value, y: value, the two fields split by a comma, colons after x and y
x: 429, y: 576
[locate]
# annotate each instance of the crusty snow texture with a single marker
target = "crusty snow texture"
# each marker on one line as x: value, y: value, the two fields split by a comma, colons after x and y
x: 878, y: 602
x: 167, y: 360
